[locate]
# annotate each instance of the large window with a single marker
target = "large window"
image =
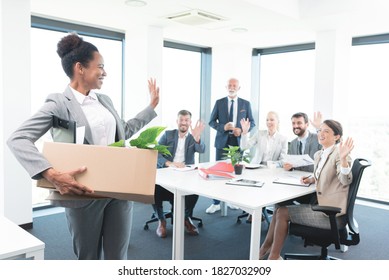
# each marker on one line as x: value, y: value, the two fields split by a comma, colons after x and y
x: 286, y: 84
x: 181, y: 84
x: 47, y: 75
x: 368, y: 120
x: 185, y: 80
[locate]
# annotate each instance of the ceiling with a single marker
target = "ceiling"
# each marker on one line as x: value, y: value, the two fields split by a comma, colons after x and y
x: 268, y: 22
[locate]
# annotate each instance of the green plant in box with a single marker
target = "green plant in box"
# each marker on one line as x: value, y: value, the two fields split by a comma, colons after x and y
x: 146, y: 140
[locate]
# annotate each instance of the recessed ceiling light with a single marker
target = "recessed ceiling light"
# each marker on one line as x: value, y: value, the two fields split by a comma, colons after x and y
x: 239, y: 30
x: 136, y: 3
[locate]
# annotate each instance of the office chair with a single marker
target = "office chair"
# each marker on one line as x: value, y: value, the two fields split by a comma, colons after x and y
x: 169, y: 215
x: 266, y: 214
x: 347, y: 235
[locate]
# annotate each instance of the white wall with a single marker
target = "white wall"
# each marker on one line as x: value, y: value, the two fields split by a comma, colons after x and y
x: 1, y: 118
x: 16, y: 96
x: 144, y: 46
x: 332, y: 73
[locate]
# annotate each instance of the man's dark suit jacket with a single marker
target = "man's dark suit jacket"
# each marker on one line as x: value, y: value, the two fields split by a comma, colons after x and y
x: 170, y: 139
x: 219, y: 117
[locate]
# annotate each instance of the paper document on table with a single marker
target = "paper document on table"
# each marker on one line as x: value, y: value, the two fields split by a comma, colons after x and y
x: 185, y: 168
x: 299, y: 160
x: 290, y: 180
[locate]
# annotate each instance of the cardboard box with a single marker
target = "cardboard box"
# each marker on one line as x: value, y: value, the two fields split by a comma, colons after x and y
x: 116, y: 172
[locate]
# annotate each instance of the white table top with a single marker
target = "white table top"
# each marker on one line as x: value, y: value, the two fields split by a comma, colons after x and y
x: 245, y: 197
x: 15, y: 241
x: 250, y: 199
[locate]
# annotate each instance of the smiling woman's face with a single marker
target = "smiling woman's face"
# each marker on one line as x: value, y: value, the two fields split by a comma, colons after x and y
x: 93, y: 75
x: 272, y: 122
x: 326, y: 136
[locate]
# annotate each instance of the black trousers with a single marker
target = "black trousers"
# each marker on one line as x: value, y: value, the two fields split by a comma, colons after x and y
x: 161, y: 194
x: 232, y: 141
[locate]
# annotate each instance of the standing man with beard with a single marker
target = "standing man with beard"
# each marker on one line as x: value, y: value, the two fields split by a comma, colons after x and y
x: 225, y: 119
x: 306, y: 141
x: 182, y: 145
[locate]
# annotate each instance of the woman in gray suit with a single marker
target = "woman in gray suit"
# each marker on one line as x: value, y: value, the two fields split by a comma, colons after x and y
x: 99, y: 227
x: 332, y: 176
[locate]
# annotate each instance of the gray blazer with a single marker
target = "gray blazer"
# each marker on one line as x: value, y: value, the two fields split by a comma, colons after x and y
x: 311, y: 147
x: 65, y: 106
x: 259, y: 141
x: 170, y: 139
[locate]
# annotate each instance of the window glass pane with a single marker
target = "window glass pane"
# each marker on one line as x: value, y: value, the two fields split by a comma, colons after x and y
x: 47, y: 76
x: 286, y: 87
x: 368, y: 121
x: 181, y: 85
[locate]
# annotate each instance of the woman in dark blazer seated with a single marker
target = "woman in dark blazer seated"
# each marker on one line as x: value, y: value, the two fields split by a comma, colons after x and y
x: 332, y: 176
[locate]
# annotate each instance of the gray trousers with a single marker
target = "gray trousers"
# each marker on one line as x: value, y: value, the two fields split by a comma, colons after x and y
x: 304, y: 215
x: 101, y: 229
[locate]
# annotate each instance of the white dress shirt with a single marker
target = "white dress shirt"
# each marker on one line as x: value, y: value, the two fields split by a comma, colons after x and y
x: 101, y: 121
x: 179, y: 156
x: 303, y: 141
x: 235, y: 116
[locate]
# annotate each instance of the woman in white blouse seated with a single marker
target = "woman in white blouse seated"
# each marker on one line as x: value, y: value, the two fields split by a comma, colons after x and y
x: 269, y: 144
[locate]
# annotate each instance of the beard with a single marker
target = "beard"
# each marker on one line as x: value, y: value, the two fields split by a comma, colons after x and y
x: 183, y: 129
x: 232, y: 93
x: 299, y: 132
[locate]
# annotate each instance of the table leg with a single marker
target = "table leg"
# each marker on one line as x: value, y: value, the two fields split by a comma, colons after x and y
x: 255, y: 234
x: 36, y: 255
x: 178, y: 226
x: 223, y: 208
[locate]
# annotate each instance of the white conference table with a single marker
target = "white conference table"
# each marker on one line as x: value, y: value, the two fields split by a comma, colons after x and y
x: 249, y: 199
x: 16, y: 243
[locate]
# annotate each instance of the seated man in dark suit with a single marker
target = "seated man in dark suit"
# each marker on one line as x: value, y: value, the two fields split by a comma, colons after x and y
x: 182, y: 146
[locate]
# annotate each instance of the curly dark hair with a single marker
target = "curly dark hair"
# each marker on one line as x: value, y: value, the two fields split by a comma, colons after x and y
x: 72, y: 49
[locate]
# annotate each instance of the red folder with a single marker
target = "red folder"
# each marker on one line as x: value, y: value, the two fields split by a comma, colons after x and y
x: 222, y: 166
x: 214, y: 174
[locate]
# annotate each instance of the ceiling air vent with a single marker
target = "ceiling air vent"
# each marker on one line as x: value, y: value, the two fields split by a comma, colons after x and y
x: 195, y: 17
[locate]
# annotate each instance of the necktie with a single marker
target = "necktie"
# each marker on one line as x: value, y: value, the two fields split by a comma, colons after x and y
x: 231, y: 114
x: 300, y: 148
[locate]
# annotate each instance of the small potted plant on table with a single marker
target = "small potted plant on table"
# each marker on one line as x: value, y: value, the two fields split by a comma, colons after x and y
x: 237, y: 157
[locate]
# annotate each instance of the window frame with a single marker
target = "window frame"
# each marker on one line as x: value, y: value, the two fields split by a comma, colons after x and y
x: 257, y: 53
x: 362, y: 41
x: 62, y: 26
